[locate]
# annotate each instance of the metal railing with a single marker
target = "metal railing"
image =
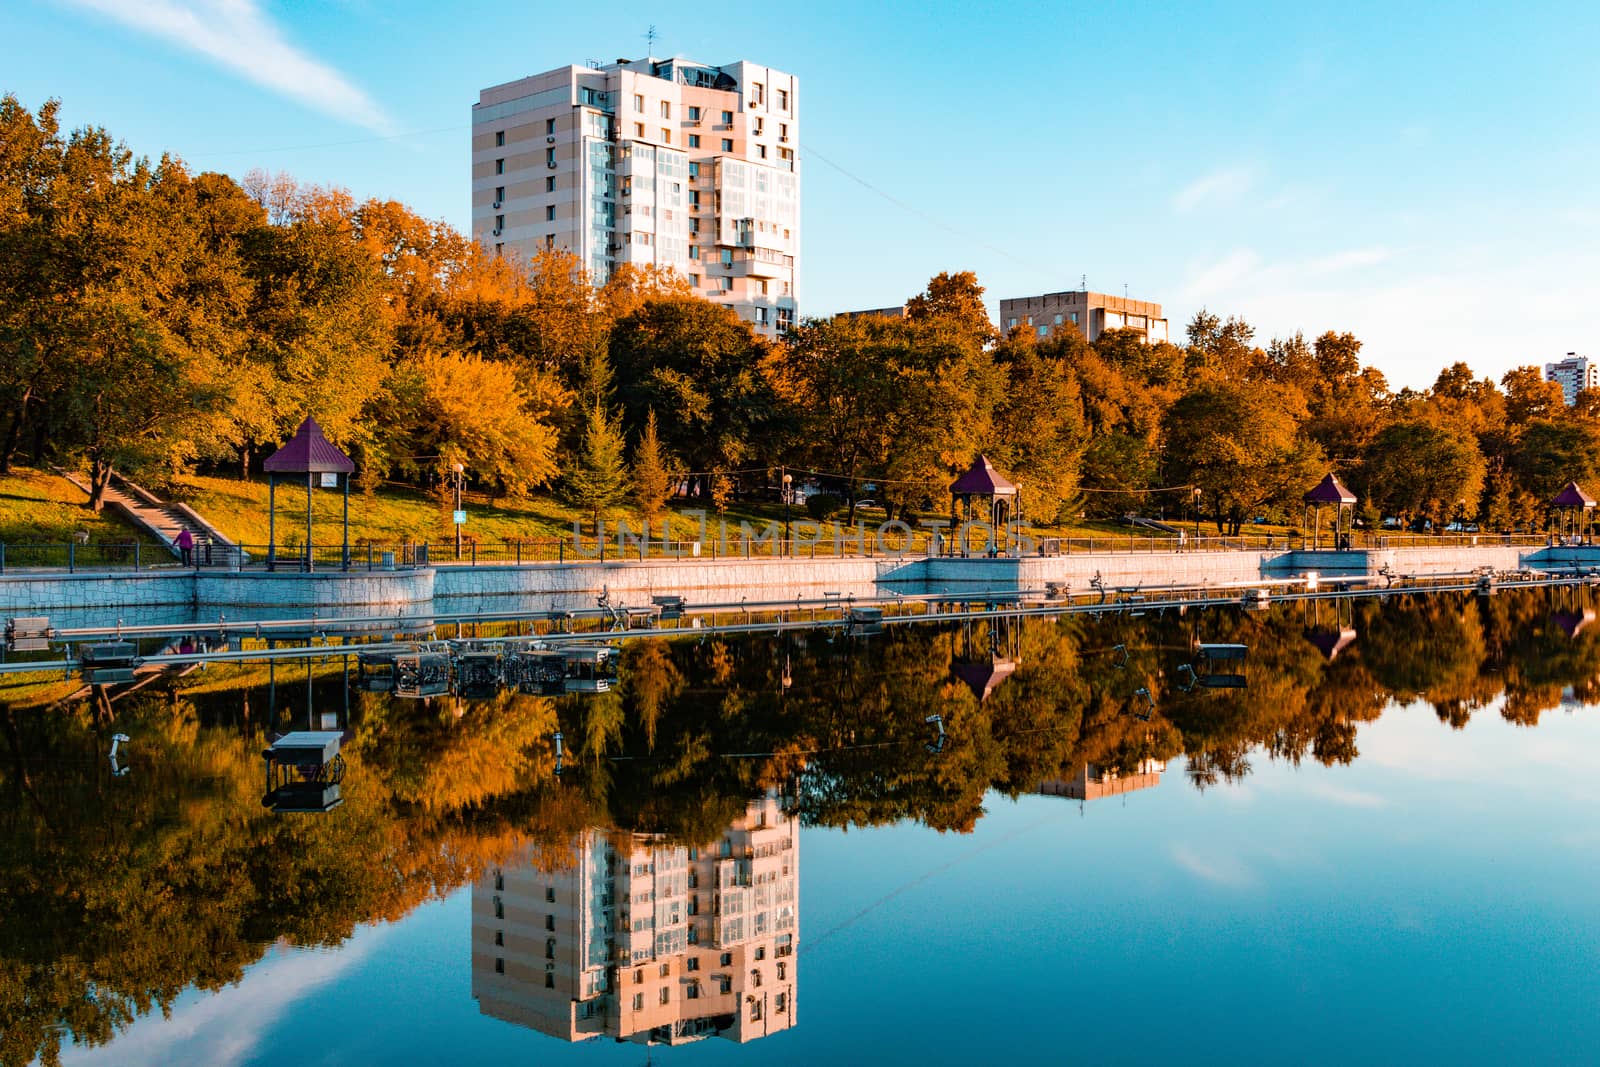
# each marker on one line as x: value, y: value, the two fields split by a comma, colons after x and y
x: 888, y: 545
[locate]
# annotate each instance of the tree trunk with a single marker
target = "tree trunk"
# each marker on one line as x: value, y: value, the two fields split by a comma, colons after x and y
x: 99, y: 478
x: 8, y: 448
x: 244, y: 462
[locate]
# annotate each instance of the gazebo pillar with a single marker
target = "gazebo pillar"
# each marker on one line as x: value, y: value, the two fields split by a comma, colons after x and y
x: 272, y: 521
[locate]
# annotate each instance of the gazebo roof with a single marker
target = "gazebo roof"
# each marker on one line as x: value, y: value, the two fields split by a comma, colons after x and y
x: 308, y: 452
x: 982, y: 480
x: 1572, y: 497
x: 984, y: 678
x: 1330, y: 491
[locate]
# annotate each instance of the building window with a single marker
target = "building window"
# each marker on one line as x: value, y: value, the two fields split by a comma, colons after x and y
x: 1073, y: 316
x: 638, y: 129
x: 727, y: 118
x: 761, y: 316
x: 779, y: 1003
x: 550, y: 187
x: 755, y: 1011
x: 694, y: 171
x: 499, y: 198
x: 761, y: 953
x: 761, y: 151
x: 638, y: 1002
x: 499, y: 246
x: 549, y: 240
x: 692, y: 992
x: 638, y: 101
x: 666, y: 109
x: 549, y: 980
x: 499, y: 937
x: 783, y: 99
x: 692, y: 963
x: 550, y: 213
x: 666, y: 994
x: 499, y: 138
x: 549, y: 127
x: 727, y: 285
x: 782, y: 970
x: 694, y: 114
x: 549, y: 948
x: 1011, y: 324
x: 550, y: 896
x: 549, y: 922
x: 694, y: 140
x: 666, y: 135
x: 1058, y: 320
x: 499, y: 223
x: 1044, y: 331
x: 549, y: 156
x: 727, y: 960
x: 694, y: 281
x: 727, y: 144
x: 499, y: 908
x: 499, y: 965
x: 694, y: 198
x: 756, y: 93
x: 499, y: 877
x: 783, y: 131
x: 499, y: 166
x: 724, y: 983
x: 694, y: 253
x: 727, y: 257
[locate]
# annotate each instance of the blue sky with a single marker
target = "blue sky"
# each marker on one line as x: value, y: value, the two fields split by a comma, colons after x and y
x: 1426, y: 178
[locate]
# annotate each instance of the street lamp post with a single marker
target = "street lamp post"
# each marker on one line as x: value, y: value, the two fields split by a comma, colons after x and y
x: 1197, y: 518
x: 789, y: 545
x: 459, y: 471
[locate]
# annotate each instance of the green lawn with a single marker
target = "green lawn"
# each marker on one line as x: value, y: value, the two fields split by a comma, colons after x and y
x: 39, y: 505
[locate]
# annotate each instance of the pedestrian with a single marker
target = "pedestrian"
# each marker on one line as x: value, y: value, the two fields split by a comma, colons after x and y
x: 185, y: 543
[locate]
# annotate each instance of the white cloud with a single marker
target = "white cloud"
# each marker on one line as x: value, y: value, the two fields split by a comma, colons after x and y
x: 1225, y: 184
x: 226, y: 1027
x: 1220, y: 870
x: 1352, y: 259
x: 1222, y: 275
x: 1337, y: 794
x: 237, y: 35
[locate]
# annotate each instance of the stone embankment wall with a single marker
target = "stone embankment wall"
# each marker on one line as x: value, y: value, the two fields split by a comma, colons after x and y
x: 555, y: 586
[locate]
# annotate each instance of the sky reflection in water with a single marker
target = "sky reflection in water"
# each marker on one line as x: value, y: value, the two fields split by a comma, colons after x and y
x: 1430, y: 899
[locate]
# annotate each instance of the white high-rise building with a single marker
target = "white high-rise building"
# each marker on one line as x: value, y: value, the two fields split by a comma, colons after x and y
x: 650, y: 161
x: 1575, y: 373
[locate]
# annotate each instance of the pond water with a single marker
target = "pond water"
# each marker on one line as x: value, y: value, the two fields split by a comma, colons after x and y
x: 1381, y: 847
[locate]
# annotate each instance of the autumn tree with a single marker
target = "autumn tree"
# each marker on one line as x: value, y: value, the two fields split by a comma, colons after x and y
x: 1422, y: 471
x: 654, y: 477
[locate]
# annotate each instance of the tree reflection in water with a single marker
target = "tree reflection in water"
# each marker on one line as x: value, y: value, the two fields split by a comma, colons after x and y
x: 120, y: 892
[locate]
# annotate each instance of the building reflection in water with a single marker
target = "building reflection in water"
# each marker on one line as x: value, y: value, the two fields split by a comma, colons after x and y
x: 1093, y: 781
x: 641, y: 940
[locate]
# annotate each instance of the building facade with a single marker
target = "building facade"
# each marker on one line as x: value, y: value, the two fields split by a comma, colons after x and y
x: 631, y: 938
x: 665, y: 163
x: 1091, y: 314
x: 1575, y: 373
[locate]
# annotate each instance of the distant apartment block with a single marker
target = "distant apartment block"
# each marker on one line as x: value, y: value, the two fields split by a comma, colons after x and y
x: 1575, y: 373
x: 1091, y: 314
x: 1093, y: 782
x: 896, y: 312
x: 633, y: 938
x: 662, y: 162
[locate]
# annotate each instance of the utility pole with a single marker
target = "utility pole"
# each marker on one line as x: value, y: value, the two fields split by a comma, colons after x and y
x: 459, y: 471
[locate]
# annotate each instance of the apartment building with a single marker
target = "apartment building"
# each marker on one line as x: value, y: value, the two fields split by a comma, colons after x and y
x: 654, y: 162
x: 631, y: 938
x: 1091, y: 314
x: 1575, y: 373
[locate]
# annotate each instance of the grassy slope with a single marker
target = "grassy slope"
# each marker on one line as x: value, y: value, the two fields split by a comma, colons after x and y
x: 37, y: 505
x: 395, y: 513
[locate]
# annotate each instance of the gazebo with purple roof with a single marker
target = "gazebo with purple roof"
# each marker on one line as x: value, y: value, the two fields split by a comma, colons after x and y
x: 310, y: 453
x: 1572, y: 506
x: 982, y: 480
x: 1330, y: 492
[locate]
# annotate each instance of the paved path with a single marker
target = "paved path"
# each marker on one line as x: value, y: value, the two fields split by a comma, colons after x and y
x: 158, y: 518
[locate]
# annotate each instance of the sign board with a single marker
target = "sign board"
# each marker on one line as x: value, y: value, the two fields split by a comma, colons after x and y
x: 459, y: 518
x: 330, y: 480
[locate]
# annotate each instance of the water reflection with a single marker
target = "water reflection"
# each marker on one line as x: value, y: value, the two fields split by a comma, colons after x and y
x: 630, y: 936
x: 124, y: 884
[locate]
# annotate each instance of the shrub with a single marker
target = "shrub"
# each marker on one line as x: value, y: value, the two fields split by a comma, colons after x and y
x: 823, y: 506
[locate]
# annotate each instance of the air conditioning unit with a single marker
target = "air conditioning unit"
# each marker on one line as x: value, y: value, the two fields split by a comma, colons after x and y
x: 549, y: 140
x: 551, y: 164
x: 497, y: 205
x: 497, y: 231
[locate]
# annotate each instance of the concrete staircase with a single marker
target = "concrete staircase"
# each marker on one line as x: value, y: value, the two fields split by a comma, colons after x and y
x: 164, y: 521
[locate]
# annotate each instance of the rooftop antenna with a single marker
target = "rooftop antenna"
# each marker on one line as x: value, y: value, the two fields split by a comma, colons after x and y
x: 1124, y: 290
x: 1083, y: 282
x: 650, y: 41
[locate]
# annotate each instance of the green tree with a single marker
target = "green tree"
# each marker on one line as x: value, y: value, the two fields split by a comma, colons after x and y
x: 957, y: 298
x: 597, y: 480
x: 1420, y: 471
